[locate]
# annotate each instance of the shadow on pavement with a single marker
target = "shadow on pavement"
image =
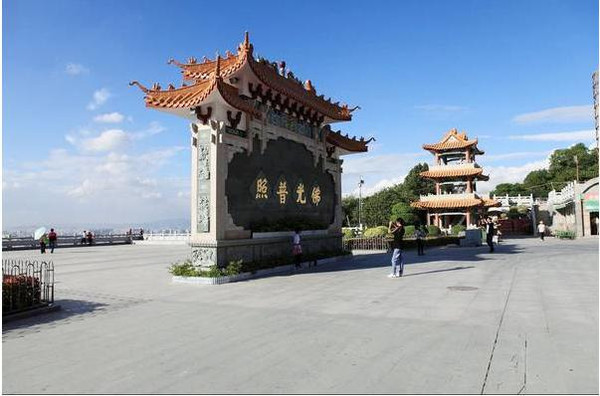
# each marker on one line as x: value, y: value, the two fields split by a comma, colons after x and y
x: 69, y: 309
x: 432, y: 255
x: 439, y: 270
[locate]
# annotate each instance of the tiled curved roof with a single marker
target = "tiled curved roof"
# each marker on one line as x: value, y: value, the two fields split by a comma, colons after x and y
x: 337, y: 139
x: 488, y: 203
x: 189, y: 97
x: 204, y: 70
x: 180, y: 97
x: 268, y: 75
x: 452, y: 140
x: 449, y: 203
x: 451, y: 172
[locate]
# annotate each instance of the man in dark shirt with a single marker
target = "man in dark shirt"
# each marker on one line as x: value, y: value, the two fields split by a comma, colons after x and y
x: 490, y: 231
x: 397, y: 229
x: 52, y: 239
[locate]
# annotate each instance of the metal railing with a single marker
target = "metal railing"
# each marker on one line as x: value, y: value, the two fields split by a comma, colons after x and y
x: 377, y: 243
x: 26, y: 284
x: 20, y: 243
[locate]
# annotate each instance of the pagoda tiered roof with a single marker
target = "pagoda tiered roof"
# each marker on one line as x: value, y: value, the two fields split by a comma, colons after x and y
x: 200, y: 74
x: 451, y: 171
x: 454, y: 202
x: 453, y: 140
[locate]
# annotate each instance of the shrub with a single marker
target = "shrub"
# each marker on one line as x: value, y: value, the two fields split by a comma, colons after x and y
x: 213, y: 272
x: 409, y: 231
x: 234, y: 267
x: 184, y: 269
x: 20, y: 292
x: 433, y: 230
x: 348, y: 233
x: 375, y: 232
x: 457, y: 228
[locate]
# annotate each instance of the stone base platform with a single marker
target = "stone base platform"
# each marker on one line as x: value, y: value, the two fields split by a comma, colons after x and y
x: 263, y: 246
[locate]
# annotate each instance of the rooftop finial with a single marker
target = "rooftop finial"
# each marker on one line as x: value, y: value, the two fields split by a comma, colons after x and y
x: 140, y: 86
x: 218, y: 66
x: 246, y: 38
x: 309, y: 87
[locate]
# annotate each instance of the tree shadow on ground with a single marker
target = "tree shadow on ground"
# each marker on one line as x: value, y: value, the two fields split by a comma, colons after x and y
x: 68, y: 310
x: 448, y: 253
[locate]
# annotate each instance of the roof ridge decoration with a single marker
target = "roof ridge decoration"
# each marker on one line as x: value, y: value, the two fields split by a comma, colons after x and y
x: 268, y: 74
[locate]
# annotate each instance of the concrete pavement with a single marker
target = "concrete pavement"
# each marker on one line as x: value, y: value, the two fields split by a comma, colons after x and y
x: 521, y: 320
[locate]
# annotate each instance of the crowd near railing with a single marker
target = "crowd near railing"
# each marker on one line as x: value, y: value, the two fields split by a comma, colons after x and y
x: 22, y: 243
x: 26, y: 284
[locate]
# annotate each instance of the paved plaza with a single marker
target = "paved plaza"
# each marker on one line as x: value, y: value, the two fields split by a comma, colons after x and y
x: 521, y: 320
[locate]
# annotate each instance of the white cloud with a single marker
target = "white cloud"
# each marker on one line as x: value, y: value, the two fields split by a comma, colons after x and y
x: 112, y: 139
x: 94, y: 187
x: 573, y: 136
x: 441, y: 108
x: 99, y: 98
x: 557, y: 114
x: 109, y: 118
x: 153, y: 129
x: 509, y: 174
x: 515, y: 155
x: 75, y: 69
x: 378, y: 171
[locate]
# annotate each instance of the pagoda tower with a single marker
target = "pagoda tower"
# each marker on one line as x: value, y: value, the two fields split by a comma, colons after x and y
x: 455, y: 174
x: 265, y: 159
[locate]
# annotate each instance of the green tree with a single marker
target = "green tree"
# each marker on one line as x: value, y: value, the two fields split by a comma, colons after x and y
x: 404, y: 210
x: 376, y: 208
x: 510, y: 189
x: 414, y: 185
x: 537, y: 182
x: 350, y: 210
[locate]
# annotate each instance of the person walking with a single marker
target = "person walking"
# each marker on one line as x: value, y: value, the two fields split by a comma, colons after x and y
x: 397, y: 229
x: 83, y: 237
x: 420, y: 235
x: 541, y: 229
x: 297, y: 248
x: 52, y: 240
x: 43, y: 243
x: 490, y: 230
x: 89, y: 238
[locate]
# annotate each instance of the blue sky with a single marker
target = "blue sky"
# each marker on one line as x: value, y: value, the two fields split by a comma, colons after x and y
x: 79, y: 145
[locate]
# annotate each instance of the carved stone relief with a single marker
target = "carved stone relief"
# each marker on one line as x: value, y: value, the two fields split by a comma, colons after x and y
x: 203, y: 256
x: 203, y: 188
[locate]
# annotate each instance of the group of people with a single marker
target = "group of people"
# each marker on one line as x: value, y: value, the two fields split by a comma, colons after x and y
x: 87, y: 237
x: 48, y: 240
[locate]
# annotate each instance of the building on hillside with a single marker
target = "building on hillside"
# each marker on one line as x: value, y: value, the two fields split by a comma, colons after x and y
x: 264, y: 156
x: 575, y: 208
x: 455, y: 173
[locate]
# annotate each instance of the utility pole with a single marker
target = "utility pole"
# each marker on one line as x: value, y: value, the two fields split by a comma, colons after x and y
x: 576, y: 168
x: 360, y: 184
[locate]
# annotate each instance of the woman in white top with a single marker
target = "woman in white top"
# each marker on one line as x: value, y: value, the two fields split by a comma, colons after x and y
x: 297, y: 248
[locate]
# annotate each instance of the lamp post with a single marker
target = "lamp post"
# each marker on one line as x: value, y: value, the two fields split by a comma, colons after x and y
x: 596, y: 110
x: 360, y: 184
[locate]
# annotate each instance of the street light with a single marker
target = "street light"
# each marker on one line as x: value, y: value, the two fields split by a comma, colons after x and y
x: 360, y: 184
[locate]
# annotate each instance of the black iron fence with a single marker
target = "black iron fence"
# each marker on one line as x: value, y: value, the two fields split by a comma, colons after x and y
x: 384, y: 244
x: 26, y: 284
x: 377, y: 243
